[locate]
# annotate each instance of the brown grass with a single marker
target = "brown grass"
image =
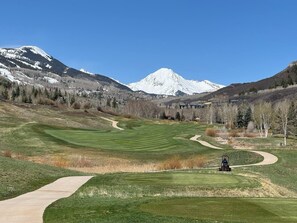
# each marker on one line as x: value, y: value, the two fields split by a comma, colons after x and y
x: 176, y: 162
x: 194, y: 162
x: 211, y: 132
x: 81, y: 161
x: 234, y: 133
x: 60, y: 162
x: 7, y: 153
x: 249, y: 135
x: 171, y: 164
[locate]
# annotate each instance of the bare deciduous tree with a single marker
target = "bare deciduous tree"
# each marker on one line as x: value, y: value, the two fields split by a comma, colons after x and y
x: 141, y: 108
x: 263, y: 116
x: 282, y: 109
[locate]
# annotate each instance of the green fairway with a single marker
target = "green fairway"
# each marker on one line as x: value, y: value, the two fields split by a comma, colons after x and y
x: 124, y: 194
x: 145, y: 140
x: 226, y: 209
x: 144, y: 137
x: 202, y: 180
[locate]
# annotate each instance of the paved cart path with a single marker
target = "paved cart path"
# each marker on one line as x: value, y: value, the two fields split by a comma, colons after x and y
x: 204, y: 143
x: 268, y: 157
x: 113, y: 123
x: 29, y: 207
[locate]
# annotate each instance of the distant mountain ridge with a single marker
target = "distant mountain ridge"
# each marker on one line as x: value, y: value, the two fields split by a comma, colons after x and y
x: 281, y: 80
x: 165, y: 81
x: 36, y: 59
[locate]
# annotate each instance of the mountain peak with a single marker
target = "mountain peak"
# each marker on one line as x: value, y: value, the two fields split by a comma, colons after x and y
x: 36, y: 50
x: 166, y: 81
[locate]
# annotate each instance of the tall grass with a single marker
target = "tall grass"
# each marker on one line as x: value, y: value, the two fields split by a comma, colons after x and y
x: 176, y: 162
x: 211, y: 132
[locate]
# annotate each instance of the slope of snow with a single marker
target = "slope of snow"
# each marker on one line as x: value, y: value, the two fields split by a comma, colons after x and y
x: 6, y: 73
x: 2, y: 65
x: 166, y: 81
x: 87, y: 72
x: 37, y: 50
x: 51, y: 80
x: 17, y: 53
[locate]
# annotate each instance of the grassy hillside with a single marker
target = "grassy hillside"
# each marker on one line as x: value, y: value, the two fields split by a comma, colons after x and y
x: 18, y: 177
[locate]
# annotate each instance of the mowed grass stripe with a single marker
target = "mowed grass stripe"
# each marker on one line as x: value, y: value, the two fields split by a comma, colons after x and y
x: 256, y: 210
x: 144, y: 137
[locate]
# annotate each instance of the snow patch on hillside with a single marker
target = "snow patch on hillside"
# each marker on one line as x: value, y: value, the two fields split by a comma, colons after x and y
x: 51, y: 80
x: 6, y: 74
x: 87, y: 72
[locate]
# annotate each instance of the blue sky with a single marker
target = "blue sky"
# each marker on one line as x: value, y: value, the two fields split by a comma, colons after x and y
x: 225, y: 42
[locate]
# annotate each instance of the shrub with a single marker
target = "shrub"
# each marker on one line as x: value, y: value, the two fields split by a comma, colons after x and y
x: 76, y: 105
x: 100, y: 109
x: 127, y: 116
x: 195, y: 161
x: 234, y: 133
x: 87, y: 105
x: 170, y: 164
x: 45, y: 101
x: 211, y: 132
x: 7, y: 153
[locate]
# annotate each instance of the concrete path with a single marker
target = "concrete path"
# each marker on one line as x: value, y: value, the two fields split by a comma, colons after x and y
x: 113, y: 123
x: 268, y: 157
x: 29, y: 208
x: 204, y: 143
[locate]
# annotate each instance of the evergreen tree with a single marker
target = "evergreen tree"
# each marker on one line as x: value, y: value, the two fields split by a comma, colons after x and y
x: 114, y: 103
x: 29, y: 99
x: 17, y: 92
x: 108, y: 102
x: 5, y: 94
x: 177, y: 116
x: 163, y: 115
x: 24, y: 92
x: 284, y: 83
x: 290, y: 80
x: 35, y: 93
x: 55, y: 95
x: 13, y: 94
x: 46, y: 93
x: 72, y: 100
x: 33, y: 90
x: 247, y: 117
x: 240, y: 119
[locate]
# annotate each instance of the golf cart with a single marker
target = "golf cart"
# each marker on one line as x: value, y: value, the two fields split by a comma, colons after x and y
x: 225, y: 164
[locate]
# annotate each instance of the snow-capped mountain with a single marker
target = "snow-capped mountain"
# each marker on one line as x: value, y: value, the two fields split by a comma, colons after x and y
x: 166, y: 81
x: 32, y: 65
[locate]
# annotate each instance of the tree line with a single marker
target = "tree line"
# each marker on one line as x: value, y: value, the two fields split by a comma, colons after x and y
x: 278, y: 118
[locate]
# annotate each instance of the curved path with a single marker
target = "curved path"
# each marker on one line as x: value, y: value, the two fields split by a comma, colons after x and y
x: 113, y: 123
x: 29, y: 207
x: 268, y: 157
x: 204, y: 143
